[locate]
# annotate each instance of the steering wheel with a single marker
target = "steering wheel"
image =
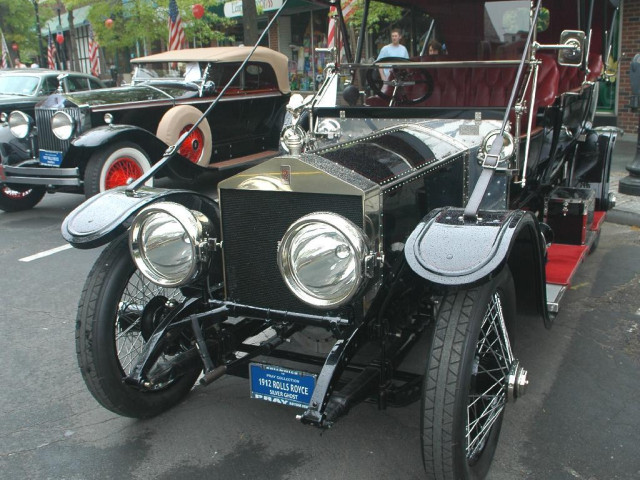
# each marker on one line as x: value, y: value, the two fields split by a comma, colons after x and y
x: 408, y: 85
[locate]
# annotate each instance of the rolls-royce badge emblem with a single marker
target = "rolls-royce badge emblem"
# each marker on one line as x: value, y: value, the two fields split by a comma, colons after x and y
x: 285, y: 174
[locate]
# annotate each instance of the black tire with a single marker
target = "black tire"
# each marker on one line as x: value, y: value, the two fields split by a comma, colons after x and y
x: 457, y: 372
x: 16, y: 199
x: 115, y: 166
x: 106, y: 306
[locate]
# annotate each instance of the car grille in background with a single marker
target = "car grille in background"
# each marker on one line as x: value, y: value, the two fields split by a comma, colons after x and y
x: 253, y: 223
x: 46, y: 139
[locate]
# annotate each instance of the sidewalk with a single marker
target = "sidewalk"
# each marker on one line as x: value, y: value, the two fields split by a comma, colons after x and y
x: 627, y: 209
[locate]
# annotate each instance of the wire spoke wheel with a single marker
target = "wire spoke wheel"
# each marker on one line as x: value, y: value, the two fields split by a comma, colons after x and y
x: 20, y: 197
x: 471, y: 373
x: 193, y: 145
x: 121, y: 171
x: 118, y: 311
x: 491, y: 367
x: 115, y: 166
x: 128, y: 334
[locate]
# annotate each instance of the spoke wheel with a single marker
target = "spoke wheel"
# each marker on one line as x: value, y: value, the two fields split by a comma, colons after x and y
x: 115, y: 309
x: 17, y: 199
x: 121, y: 171
x: 193, y: 145
x: 179, y: 119
x: 469, y: 374
x: 114, y: 167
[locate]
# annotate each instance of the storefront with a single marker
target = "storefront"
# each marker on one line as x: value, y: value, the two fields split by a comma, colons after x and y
x: 301, y: 28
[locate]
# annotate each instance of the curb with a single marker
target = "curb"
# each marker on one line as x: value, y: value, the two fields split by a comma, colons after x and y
x: 623, y: 217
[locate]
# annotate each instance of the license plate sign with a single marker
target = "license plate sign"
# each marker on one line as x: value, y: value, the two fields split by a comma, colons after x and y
x: 280, y: 385
x: 50, y: 158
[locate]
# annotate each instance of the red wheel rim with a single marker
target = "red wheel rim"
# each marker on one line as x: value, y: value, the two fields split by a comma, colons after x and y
x: 14, y: 194
x: 120, y: 171
x: 192, y: 147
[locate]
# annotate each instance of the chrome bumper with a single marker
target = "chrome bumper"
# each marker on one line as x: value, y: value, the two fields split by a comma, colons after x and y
x: 22, y: 175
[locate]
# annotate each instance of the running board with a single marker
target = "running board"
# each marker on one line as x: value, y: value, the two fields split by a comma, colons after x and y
x: 563, y: 262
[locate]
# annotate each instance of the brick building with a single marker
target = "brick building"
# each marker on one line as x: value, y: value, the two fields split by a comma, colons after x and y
x: 629, y: 46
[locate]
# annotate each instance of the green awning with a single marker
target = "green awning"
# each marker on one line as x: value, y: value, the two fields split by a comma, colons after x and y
x: 79, y: 19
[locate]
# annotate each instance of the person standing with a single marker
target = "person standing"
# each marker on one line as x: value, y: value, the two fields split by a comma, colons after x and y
x: 394, y: 49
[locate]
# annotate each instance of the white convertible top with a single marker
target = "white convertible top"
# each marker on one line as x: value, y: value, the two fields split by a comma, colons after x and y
x: 226, y: 54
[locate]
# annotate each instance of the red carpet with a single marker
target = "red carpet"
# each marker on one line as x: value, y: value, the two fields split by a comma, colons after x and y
x: 563, y: 261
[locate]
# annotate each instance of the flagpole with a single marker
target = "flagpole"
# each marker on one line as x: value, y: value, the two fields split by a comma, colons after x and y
x: 6, y: 56
x: 35, y: 7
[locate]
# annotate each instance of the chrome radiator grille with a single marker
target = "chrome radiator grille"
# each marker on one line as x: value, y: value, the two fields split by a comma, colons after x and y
x: 253, y: 223
x: 46, y: 139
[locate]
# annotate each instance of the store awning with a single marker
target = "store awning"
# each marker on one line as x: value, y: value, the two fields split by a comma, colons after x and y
x: 234, y: 8
x: 79, y: 18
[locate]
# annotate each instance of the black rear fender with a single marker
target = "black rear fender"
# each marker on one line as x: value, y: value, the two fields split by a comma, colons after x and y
x: 446, y: 251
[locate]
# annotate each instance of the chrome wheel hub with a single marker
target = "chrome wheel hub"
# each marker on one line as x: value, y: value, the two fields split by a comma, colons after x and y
x: 517, y: 381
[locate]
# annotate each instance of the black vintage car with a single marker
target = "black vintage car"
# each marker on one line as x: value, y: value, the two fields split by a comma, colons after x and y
x: 21, y: 90
x: 438, y: 206
x: 88, y: 142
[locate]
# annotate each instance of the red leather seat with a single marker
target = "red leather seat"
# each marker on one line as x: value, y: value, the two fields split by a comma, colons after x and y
x: 571, y: 77
x: 467, y: 87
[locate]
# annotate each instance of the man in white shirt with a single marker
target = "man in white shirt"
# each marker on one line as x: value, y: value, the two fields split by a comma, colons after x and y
x: 394, y: 49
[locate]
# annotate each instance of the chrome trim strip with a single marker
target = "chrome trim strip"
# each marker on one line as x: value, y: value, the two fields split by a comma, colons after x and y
x: 461, y: 63
x: 187, y: 101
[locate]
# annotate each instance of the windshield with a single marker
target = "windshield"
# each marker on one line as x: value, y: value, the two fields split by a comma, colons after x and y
x: 495, y: 30
x: 189, y: 71
x: 18, y: 85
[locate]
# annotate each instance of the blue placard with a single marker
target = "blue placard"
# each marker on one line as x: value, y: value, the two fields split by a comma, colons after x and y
x: 50, y: 159
x: 280, y: 385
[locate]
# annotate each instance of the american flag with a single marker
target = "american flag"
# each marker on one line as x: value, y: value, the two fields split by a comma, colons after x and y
x: 94, y: 54
x: 176, y: 32
x: 6, y: 59
x: 347, y: 10
x: 51, y: 53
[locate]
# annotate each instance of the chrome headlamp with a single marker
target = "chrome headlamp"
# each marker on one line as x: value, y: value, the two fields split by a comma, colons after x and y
x: 322, y: 259
x: 329, y: 128
x: 62, y: 125
x: 168, y: 243
x: 507, y: 150
x: 20, y: 124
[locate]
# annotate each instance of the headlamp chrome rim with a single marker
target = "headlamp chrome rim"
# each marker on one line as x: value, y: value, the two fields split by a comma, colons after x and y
x: 20, y: 124
x: 62, y: 125
x: 196, y: 228
x: 508, y: 146
x: 358, y: 245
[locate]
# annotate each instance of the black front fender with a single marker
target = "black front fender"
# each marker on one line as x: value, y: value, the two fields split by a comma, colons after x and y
x: 109, y: 214
x: 99, y: 137
x: 443, y: 249
x: 178, y: 168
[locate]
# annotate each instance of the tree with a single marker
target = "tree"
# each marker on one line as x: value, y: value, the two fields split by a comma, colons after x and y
x: 249, y: 22
x: 18, y: 24
x: 381, y: 16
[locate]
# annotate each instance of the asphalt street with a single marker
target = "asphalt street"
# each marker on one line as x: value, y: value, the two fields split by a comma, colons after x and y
x: 580, y: 418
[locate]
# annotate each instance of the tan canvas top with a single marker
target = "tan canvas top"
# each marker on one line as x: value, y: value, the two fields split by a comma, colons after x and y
x: 226, y: 54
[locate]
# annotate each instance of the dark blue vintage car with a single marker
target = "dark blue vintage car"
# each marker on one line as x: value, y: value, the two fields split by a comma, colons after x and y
x: 423, y: 207
x: 21, y: 90
x: 89, y: 142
